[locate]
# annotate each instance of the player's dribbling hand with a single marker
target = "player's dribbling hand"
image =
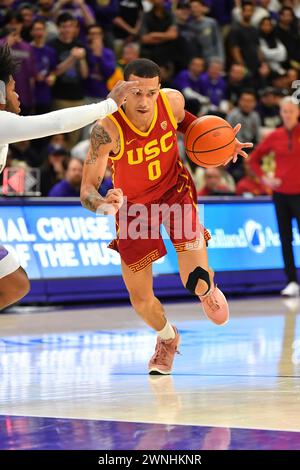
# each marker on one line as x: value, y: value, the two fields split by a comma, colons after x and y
x: 239, y: 147
x: 121, y: 90
x: 111, y: 202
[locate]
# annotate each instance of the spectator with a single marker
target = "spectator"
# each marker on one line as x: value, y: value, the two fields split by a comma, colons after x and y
x: 264, y: 78
x: 127, y: 22
x: 166, y: 75
x: 241, y: 36
x: 292, y: 75
x: 45, y: 13
x: 258, y: 15
x: 6, y: 6
x: 274, y: 52
x: 188, y: 45
x: 268, y: 108
x: 237, y: 80
x: 131, y: 51
x: 191, y: 77
x: 207, y: 32
x: 294, y: 4
x: 220, y: 10
x: 281, y: 82
x: 23, y: 151
x: 23, y: 53
x: 287, y: 32
x: 101, y: 63
x: 79, y: 10
x: 57, y: 141
x: 80, y: 150
x: 71, y: 70
x: 27, y: 11
x: 213, y: 184
x: 53, y: 169
x: 159, y: 34
x: 45, y: 60
x: 284, y: 142
x: 105, y: 11
x: 251, y: 183
x: 272, y: 6
x: 246, y: 115
x: 213, y: 83
x: 69, y: 186
x: 189, y: 83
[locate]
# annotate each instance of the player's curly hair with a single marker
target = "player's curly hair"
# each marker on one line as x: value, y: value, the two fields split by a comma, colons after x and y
x: 7, y: 64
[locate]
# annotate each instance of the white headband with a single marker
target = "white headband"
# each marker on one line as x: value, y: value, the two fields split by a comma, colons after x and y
x: 2, y: 92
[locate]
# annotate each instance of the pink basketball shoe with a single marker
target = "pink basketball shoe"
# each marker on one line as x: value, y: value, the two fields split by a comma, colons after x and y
x: 162, y: 360
x: 214, y: 304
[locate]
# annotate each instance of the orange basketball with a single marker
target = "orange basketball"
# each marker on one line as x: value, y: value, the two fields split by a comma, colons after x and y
x: 209, y: 141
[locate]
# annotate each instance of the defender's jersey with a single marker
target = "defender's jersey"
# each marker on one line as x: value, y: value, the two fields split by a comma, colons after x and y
x: 148, y: 163
x: 3, y: 156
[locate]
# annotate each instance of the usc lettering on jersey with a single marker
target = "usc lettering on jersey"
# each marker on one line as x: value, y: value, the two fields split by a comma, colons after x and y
x: 148, y: 163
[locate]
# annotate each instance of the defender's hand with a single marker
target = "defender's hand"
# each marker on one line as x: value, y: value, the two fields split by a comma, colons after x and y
x: 121, y: 90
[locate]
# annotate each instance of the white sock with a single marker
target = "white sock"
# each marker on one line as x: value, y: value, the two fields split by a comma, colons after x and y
x: 167, y: 332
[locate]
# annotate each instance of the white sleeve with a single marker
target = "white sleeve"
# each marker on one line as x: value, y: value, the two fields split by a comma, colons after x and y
x: 14, y: 128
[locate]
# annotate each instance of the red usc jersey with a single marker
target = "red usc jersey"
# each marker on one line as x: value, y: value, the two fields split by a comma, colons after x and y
x: 148, y: 163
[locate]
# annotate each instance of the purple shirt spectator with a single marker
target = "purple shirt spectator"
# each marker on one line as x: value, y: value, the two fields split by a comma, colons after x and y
x: 6, y: 8
x: 45, y: 58
x: 220, y: 10
x: 104, y: 12
x: 184, y: 80
x: 215, y: 90
x: 63, y: 189
x: 25, y: 73
x: 101, y: 68
x: 84, y: 19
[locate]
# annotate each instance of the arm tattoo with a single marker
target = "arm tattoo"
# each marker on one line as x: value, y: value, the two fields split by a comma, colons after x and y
x: 91, y: 200
x: 90, y: 161
x: 99, y: 179
x: 99, y: 136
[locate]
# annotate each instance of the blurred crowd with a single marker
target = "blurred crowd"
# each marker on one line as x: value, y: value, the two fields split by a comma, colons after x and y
x: 236, y: 59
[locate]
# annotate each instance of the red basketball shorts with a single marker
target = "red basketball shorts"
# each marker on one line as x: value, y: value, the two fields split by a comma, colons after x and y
x: 139, y: 240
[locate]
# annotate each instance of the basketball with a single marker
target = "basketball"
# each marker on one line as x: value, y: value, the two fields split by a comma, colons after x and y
x: 209, y: 141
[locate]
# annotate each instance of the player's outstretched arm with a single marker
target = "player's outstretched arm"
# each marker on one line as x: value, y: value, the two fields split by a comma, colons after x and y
x: 103, y: 140
x: 184, y: 119
x: 14, y: 128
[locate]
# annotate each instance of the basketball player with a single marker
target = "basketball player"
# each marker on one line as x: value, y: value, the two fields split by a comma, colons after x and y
x: 14, y: 283
x: 141, y: 142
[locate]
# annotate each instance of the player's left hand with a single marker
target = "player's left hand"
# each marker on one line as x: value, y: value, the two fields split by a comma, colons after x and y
x: 239, y: 147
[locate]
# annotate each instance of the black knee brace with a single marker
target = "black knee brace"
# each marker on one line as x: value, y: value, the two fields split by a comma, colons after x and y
x: 198, y: 273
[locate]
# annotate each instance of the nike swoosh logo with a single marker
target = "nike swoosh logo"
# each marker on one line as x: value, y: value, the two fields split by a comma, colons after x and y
x: 129, y: 141
x: 179, y: 190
